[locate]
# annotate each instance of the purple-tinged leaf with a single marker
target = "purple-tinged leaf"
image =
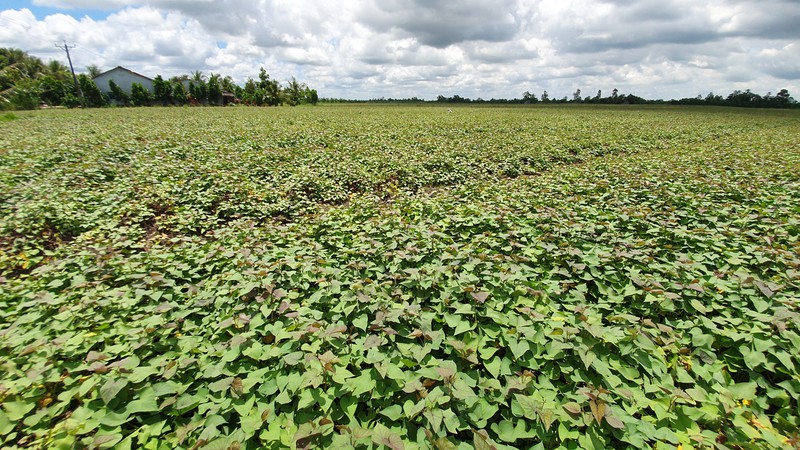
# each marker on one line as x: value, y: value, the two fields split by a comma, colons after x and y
x: 764, y: 289
x: 479, y: 297
x: 481, y: 440
x: 614, y: 422
x: 572, y: 408
x: 384, y: 436
x: 93, y: 356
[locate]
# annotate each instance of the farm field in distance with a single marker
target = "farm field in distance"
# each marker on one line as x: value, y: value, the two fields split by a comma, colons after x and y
x: 401, y: 277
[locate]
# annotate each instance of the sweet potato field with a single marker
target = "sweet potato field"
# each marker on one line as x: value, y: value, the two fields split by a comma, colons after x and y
x: 400, y: 277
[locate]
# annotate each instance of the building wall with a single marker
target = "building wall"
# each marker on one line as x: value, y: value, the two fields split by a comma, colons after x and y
x: 124, y: 80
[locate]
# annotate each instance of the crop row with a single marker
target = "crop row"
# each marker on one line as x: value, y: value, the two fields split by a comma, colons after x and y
x: 178, y: 171
x: 641, y: 300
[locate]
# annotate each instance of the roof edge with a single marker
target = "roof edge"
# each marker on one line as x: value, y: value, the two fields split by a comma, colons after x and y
x: 126, y: 70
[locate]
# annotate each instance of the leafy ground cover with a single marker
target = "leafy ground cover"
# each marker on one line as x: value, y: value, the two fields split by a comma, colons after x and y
x: 167, y: 284
x: 190, y: 171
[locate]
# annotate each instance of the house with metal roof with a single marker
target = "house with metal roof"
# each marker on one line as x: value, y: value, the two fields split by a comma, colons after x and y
x: 124, y: 78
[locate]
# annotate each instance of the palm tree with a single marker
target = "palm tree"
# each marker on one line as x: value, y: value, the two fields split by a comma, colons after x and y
x: 10, y: 56
x: 34, y: 67
x: 215, y: 89
x: 15, y: 64
x: 179, y: 78
x: 9, y: 76
x: 198, y: 76
x: 55, y: 67
x: 228, y: 84
x: 58, y: 71
x: 294, y: 91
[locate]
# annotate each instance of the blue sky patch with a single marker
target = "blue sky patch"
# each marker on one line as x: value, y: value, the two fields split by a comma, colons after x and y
x: 43, y: 11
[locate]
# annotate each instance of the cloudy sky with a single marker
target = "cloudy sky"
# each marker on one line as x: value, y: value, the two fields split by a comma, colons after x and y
x: 401, y: 48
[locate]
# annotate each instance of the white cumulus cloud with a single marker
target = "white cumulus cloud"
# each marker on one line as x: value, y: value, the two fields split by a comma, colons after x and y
x: 404, y: 48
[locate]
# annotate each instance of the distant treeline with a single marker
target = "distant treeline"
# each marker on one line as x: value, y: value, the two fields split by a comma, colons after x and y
x: 746, y: 99
x: 737, y: 98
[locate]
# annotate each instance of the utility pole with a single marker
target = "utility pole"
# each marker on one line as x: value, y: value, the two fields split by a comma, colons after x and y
x: 66, y: 48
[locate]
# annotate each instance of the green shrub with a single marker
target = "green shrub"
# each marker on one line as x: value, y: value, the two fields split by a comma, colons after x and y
x: 140, y: 96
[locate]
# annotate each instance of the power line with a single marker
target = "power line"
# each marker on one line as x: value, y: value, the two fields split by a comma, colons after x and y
x: 66, y: 48
x: 87, y: 49
x: 22, y: 24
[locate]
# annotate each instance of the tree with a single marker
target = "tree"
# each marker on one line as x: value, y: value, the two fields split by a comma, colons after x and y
x: 179, y: 78
x: 228, y: 85
x: 198, y: 77
x: 118, y: 94
x: 634, y: 100
x: 162, y: 91
x: 71, y: 100
x: 249, y: 96
x: 193, y: 94
x: 545, y: 97
x: 293, y: 92
x: 11, y: 56
x: 179, y: 94
x: 576, y: 97
x: 311, y: 96
x: 16, y: 65
x: 52, y: 90
x: 527, y: 97
x: 271, y: 89
x: 93, y: 70
x: 263, y: 78
x: 214, y: 89
x: 250, y: 86
x: 19, y: 87
x: 140, y: 96
x: 25, y: 95
x: 746, y: 98
x: 198, y: 91
x: 783, y: 97
x: 712, y: 99
x: 92, y: 97
x: 58, y: 71
x: 10, y: 76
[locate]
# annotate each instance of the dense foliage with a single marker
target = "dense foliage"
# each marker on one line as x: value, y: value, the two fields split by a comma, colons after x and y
x: 744, y: 99
x: 360, y: 277
x: 92, y: 96
x: 117, y: 94
x: 162, y: 91
x: 26, y: 83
